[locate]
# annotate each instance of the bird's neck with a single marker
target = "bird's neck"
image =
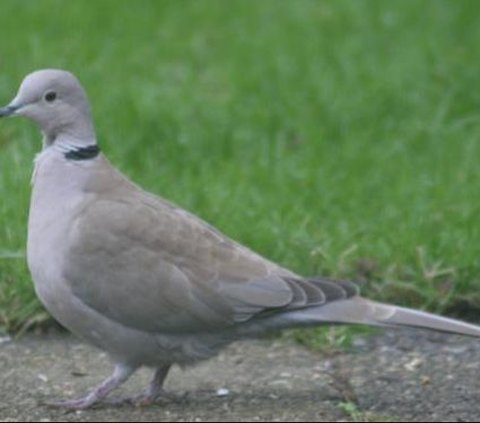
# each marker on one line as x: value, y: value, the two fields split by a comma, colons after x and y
x: 73, y: 150
x: 72, y: 147
x: 74, y: 132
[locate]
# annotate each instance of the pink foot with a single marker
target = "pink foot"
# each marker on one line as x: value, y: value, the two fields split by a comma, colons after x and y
x: 120, y: 375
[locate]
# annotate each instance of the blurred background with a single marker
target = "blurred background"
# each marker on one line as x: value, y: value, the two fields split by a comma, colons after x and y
x: 337, y: 138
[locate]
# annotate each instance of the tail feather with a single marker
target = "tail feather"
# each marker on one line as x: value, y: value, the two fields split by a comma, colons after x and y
x: 359, y: 310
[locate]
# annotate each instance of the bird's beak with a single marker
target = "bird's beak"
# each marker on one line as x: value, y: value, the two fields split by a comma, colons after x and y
x: 8, y: 110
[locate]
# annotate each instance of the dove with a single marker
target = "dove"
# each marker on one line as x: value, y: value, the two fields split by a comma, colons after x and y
x: 146, y: 281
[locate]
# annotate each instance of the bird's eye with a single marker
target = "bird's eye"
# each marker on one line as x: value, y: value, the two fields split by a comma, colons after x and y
x: 50, y: 96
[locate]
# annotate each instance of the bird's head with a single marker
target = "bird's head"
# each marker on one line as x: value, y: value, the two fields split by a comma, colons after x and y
x: 56, y: 102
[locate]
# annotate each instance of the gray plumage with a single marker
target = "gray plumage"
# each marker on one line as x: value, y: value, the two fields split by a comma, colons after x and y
x: 144, y: 280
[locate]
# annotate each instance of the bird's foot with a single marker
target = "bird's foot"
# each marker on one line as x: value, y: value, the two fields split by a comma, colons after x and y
x: 75, y: 404
x: 120, y: 375
x: 147, y: 398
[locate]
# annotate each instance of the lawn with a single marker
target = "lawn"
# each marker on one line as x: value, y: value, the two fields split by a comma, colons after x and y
x: 339, y: 138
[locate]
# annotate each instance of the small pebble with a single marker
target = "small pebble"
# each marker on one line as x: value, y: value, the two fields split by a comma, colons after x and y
x: 414, y: 364
x: 222, y: 392
x: 5, y: 339
x: 43, y: 377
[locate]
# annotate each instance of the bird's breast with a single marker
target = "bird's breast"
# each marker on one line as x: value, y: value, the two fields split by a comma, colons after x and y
x: 53, y: 208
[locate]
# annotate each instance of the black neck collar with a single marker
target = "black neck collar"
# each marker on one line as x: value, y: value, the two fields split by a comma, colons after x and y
x: 83, y: 153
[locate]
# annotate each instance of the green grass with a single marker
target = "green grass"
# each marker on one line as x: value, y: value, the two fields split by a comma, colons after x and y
x: 339, y: 138
x: 351, y: 410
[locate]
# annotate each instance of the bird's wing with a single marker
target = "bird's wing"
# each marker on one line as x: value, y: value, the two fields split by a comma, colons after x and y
x: 149, y: 265
x: 143, y: 262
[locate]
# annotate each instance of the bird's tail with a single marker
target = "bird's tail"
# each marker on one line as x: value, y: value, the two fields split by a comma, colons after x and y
x: 358, y: 310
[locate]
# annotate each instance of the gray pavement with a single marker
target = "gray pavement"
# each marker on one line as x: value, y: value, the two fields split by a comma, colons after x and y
x: 397, y: 375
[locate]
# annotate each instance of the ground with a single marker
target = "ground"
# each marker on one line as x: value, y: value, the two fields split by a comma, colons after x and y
x: 400, y: 375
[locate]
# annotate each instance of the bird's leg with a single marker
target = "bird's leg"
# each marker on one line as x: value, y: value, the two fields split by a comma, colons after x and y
x: 152, y: 393
x: 120, y: 374
x: 155, y: 389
